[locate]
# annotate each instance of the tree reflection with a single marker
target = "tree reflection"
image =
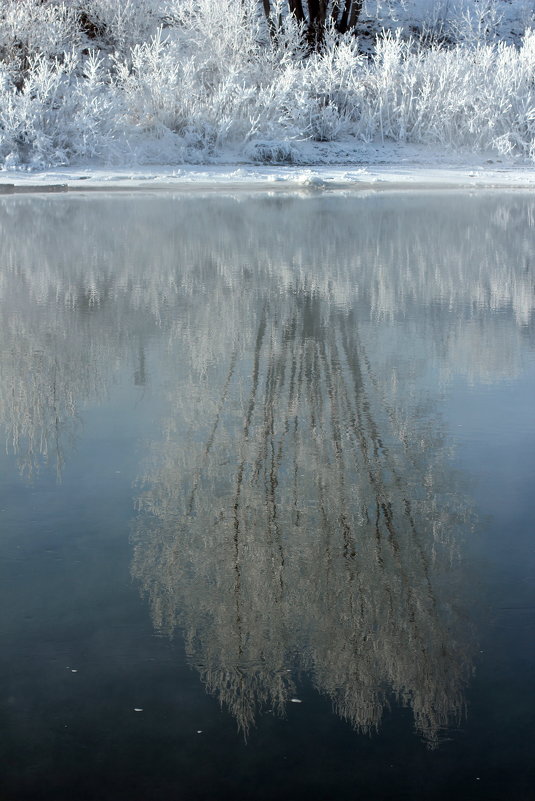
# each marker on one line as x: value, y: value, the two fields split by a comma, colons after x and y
x: 305, y: 515
x: 86, y: 283
x: 316, y: 530
x: 55, y: 358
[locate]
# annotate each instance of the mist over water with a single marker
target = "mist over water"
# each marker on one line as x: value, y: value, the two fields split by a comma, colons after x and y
x: 285, y: 387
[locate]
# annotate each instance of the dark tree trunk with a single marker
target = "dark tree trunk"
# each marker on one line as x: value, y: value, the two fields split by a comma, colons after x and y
x: 296, y: 8
x: 356, y: 8
x: 269, y: 19
x: 317, y: 17
x: 350, y: 15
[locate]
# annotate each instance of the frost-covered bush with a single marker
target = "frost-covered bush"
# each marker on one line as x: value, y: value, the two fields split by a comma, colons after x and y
x: 29, y: 29
x: 178, y: 80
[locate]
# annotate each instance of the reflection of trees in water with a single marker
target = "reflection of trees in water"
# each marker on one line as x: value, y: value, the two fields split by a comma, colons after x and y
x: 56, y: 357
x: 314, y: 491
x: 85, y: 282
x: 433, y: 250
x: 46, y: 368
x: 307, y: 522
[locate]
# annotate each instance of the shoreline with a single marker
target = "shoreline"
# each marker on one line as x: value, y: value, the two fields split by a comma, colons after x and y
x: 271, y: 178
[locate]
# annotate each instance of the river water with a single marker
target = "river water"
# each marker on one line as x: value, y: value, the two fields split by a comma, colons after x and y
x: 267, y: 496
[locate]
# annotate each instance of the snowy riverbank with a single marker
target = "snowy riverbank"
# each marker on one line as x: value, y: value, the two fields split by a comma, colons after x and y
x: 216, y: 82
x: 376, y: 168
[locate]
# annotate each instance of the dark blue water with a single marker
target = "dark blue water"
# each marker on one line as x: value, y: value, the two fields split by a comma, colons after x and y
x: 267, y: 497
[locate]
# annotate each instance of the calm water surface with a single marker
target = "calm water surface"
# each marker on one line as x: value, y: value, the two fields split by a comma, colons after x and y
x: 267, y: 497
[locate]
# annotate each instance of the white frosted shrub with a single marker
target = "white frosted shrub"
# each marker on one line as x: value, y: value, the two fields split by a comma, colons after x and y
x: 177, y: 80
x: 28, y: 29
x: 118, y: 26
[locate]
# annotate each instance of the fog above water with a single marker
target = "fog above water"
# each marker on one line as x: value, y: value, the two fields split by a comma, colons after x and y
x: 86, y: 283
x: 299, y: 509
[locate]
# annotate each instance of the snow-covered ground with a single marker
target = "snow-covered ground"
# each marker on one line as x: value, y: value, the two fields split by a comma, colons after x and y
x: 329, y: 166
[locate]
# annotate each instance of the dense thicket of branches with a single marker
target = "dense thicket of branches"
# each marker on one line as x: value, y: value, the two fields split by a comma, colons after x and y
x: 169, y: 81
